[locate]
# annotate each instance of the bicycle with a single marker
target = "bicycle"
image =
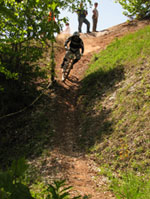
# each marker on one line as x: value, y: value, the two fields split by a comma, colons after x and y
x: 67, y: 65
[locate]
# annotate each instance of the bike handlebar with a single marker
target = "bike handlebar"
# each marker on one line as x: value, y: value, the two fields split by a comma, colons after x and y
x: 67, y: 49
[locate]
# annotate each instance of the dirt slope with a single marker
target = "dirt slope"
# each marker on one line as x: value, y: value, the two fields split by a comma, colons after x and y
x: 65, y: 159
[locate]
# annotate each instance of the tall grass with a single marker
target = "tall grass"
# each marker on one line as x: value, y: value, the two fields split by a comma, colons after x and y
x: 131, y: 186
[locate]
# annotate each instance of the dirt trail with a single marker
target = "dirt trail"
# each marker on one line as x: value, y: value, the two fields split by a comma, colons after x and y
x: 66, y: 160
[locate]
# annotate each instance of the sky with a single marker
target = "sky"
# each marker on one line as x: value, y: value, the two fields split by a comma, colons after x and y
x: 110, y: 14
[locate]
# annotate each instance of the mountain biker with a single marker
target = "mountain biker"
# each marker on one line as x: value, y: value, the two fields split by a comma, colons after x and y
x: 75, y: 45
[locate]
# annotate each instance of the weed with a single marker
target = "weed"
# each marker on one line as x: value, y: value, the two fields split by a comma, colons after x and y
x: 130, y: 186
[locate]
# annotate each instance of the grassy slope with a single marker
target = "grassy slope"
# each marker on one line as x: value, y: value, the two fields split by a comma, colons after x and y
x: 115, y: 98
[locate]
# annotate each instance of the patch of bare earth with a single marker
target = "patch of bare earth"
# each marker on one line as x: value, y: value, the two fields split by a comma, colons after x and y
x: 65, y: 160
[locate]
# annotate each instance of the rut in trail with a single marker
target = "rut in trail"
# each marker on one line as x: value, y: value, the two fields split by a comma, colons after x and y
x: 66, y: 159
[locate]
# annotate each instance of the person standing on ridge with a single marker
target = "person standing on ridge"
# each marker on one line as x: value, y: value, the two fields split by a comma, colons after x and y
x: 82, y: 18
x: 95, y: 17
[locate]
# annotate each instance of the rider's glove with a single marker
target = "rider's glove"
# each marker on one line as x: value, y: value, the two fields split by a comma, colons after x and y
x: 66, y: 48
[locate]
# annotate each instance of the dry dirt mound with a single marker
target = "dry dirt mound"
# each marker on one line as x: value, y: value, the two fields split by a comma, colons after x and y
x: 66, y: 160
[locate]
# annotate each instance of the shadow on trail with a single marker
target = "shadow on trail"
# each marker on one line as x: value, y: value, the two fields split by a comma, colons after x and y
x: 41, y: 128
x: 94, y: 115
x: 64, y: 118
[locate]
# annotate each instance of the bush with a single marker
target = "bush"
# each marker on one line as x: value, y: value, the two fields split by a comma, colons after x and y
x: 11, y: 182
x: 137, y: 8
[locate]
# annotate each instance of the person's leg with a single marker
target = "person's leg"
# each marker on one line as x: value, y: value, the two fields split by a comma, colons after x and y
x: 74, y: 61
x: 94, y: 24
x: 65, y: 58
x: 88, y: 24
x: 93, y: 29
x: 80, y: 20
x: 78, y: 57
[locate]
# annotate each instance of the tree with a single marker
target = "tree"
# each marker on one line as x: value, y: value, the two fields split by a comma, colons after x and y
x: 24, y: 31
x: 136, y: 8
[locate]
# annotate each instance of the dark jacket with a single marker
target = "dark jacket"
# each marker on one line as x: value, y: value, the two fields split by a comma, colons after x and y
x: 75, y: 45
x: 82, y: 13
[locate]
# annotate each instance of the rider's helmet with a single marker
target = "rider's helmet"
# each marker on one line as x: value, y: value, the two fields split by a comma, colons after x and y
x: 76, y: 34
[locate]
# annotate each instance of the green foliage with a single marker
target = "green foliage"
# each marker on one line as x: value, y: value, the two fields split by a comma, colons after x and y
x: 11, y: 182
x: 25, y: 29
x: 130, y: 186
x: 12, y: 185
x: 137, y: 8
x: 59, y: 190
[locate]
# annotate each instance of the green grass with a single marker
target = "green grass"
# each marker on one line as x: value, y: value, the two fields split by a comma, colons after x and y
x: 107, y: 67
x: 115, y: 98
x: 122, y: 51
x: 130, y: 185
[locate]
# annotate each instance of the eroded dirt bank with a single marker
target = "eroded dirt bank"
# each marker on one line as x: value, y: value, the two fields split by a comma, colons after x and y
x: 66, y: 159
